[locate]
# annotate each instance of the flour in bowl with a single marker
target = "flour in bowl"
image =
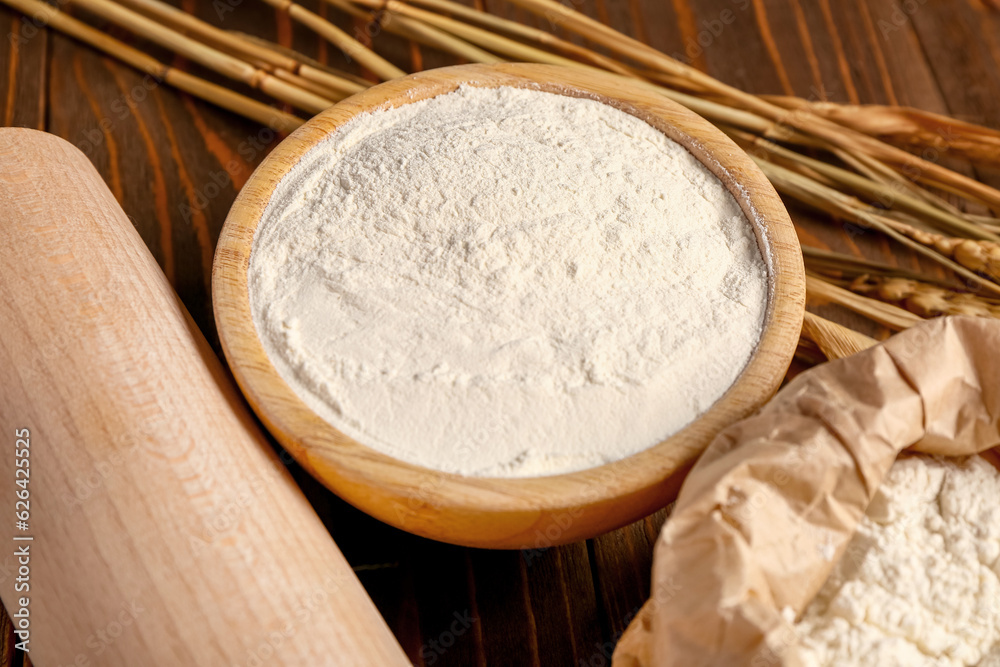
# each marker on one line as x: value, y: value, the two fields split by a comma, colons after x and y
x: 506, y: 282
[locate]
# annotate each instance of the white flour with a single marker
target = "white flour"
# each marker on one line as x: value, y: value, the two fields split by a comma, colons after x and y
x: 509, y: 283
x: 919, y: 582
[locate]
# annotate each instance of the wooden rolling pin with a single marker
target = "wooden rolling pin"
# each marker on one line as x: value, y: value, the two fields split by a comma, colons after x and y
x: 160, y: 527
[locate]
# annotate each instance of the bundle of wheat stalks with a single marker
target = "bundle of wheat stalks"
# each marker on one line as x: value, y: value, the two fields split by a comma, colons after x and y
x: 861, y: 165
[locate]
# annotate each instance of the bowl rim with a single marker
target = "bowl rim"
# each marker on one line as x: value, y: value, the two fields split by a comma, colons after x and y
x: 533, y: 512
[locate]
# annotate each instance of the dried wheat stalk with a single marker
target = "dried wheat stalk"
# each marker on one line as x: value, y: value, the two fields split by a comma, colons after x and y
x: 974, y: 254
x: 887, y: 315
x: 924, y: 299
x: 224, y: 97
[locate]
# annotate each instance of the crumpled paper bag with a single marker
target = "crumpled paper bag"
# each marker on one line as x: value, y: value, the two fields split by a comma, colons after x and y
x: 773, y: 502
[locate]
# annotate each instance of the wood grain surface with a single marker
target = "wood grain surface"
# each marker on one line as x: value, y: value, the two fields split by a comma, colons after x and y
x: 176, y: 164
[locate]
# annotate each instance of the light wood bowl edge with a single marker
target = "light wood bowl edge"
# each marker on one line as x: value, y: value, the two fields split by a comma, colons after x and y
x: 492, y: 512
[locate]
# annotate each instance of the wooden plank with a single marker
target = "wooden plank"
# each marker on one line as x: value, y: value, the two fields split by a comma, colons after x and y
x: 969, y: 77
x: 7, y: 638
x: 734, y: 50
x: 657, y: 23
x: 564, y: 603
x: 511, y: 633
x: 908, y: 69
x: 622, y: 563
x: 23, y: 69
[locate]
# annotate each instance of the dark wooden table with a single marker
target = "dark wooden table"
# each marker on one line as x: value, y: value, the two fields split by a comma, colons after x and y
x: 175, y: 164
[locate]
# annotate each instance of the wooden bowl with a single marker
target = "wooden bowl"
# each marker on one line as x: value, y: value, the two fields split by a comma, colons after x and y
x: 499, y: 512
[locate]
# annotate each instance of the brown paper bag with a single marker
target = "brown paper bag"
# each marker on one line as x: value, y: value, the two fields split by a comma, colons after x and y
x: 769, y: 508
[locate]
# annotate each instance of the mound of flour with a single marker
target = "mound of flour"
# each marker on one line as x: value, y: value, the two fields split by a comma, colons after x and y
x: 505, y: 282
x: 919, y: 585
